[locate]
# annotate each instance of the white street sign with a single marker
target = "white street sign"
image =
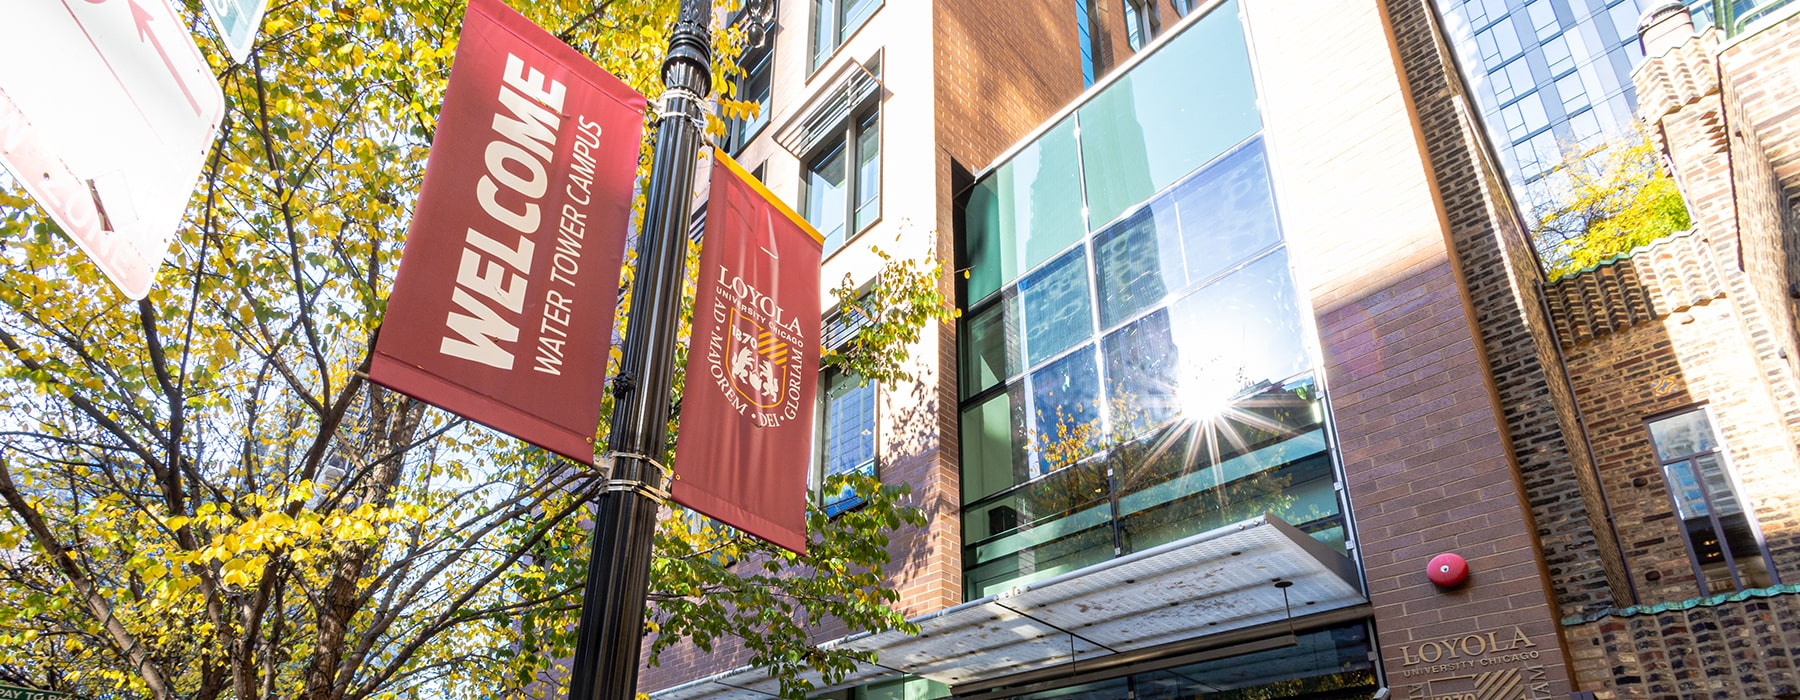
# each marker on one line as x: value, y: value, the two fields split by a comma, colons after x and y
x: 237, y: 21
x: 107, y: 110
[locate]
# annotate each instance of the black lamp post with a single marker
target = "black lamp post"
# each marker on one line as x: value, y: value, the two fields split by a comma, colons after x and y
x: 610, y: 636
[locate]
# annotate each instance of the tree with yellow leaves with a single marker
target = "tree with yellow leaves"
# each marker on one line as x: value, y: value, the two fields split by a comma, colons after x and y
x: 1603, y: 202
x: 202, y: 497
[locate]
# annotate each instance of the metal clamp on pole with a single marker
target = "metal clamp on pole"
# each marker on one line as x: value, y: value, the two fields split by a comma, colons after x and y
x: 635, y: 485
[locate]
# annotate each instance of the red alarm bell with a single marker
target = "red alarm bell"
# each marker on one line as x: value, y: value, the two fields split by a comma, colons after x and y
x: 1447, y: 570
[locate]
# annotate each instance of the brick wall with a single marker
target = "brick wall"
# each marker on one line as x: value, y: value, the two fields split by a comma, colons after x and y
x: 1503, y: 277
x: 1726, y: 649
x: 1422, y: 442
x: 1651, y: 333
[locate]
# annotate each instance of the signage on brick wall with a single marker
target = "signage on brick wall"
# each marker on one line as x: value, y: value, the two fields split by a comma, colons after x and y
x: 1495, y: 664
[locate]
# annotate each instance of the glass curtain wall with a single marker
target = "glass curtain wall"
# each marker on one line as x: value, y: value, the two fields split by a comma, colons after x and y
x: 1134, y: 359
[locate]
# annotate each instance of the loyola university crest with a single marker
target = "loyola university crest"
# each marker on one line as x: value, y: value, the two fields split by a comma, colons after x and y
x: 759, y: 363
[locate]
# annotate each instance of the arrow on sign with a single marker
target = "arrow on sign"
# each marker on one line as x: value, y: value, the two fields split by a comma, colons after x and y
x: 141, y: 18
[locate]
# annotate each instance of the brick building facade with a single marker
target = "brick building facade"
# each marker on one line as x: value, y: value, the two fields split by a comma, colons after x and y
x: 1444, y: 396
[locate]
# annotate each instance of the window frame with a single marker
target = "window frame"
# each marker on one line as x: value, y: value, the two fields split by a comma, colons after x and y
x: 846, y: 142
x: 1722, y: 453
x: 740, y: 131
x: 818, y: 55
x: 837, y: 504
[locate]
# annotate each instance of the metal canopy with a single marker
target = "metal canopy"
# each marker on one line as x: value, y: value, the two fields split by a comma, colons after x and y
x: 1207, y: 584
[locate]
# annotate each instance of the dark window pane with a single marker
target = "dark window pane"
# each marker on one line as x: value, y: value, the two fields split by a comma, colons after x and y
x: 1024, y: 212
x: 1065, y: 417
x: 990, y: 352
x: 825, y: 197
x: 868, y: 171
x: 1165, y: 118
x: 1055, y: 301
x: 993, y: 447
x: 755, y: 89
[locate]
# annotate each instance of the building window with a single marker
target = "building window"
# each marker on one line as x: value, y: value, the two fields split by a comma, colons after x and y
x: 1724, y: 542
x: 833, y: 23
x: 1183, y: 7
x: 843, y: 182
x: 752, y: 87
x: 1084, y: 36
x: 1141, y: 22
x: 846, y: 437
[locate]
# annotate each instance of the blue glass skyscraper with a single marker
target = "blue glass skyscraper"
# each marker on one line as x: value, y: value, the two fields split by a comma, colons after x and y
x: 1549, y: 76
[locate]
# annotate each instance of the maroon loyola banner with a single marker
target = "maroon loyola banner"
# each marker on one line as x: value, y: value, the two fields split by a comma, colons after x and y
x: 502, y: 309
x: 747, y: 413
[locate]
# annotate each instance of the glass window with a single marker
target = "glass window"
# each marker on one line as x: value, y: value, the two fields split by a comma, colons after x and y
x: 1211, y: 221
x: 1476, y: 11
x: 1574, y: 96
x: 833, y: 190
x: 1584, y: 127
x: 1162, y: 120
x: 1625, y: 20
x: 990, y: 346
x: 825, y: 195
x: 993, y: 448
x: 833, y: 23
x: 868, y: 171
x: 1025, y: 211
x: 752, y: 87
x: 1531, y: 109
x: 1543, y: 18
x: 1135, y: 31
x: 1192, y: 359
x: 1506, y: 37
x: 1065, y: 417
x: 847, y: 437
x: 1724, y: 542
x: 1055, y: 302
x: 1084, y: 38
x: 1556, y: 54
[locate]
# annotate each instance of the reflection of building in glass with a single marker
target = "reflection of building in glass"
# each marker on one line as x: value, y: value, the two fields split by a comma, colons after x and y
x: 1549, y: 76
x: 1249, y: 334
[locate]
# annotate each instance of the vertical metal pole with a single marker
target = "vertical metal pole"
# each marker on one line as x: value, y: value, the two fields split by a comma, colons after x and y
x: 610, y: 635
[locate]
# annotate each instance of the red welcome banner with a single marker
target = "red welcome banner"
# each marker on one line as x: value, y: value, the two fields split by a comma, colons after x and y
x: 503, y: 305
x: 753, y: 365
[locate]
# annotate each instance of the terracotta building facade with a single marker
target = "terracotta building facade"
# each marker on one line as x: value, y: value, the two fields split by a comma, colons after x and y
x: 1252, y: 330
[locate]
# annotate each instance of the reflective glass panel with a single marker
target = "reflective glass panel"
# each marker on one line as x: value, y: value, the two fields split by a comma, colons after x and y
x: 1227, y: 212
x: 1139, y: 259
x: 868, y: 171
x: 825, y: 197
x: 1054, y: 526
x: 1165, y: 118
x: 990, y: 346
x: 1023, y: 212
x: 1240, y: 332
x: 993, y: 447
x: 855, y: 13
x: 1683, y: 435
x: 1055, y: 301
x: 1065, y: 416
x: 1211, y: 221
